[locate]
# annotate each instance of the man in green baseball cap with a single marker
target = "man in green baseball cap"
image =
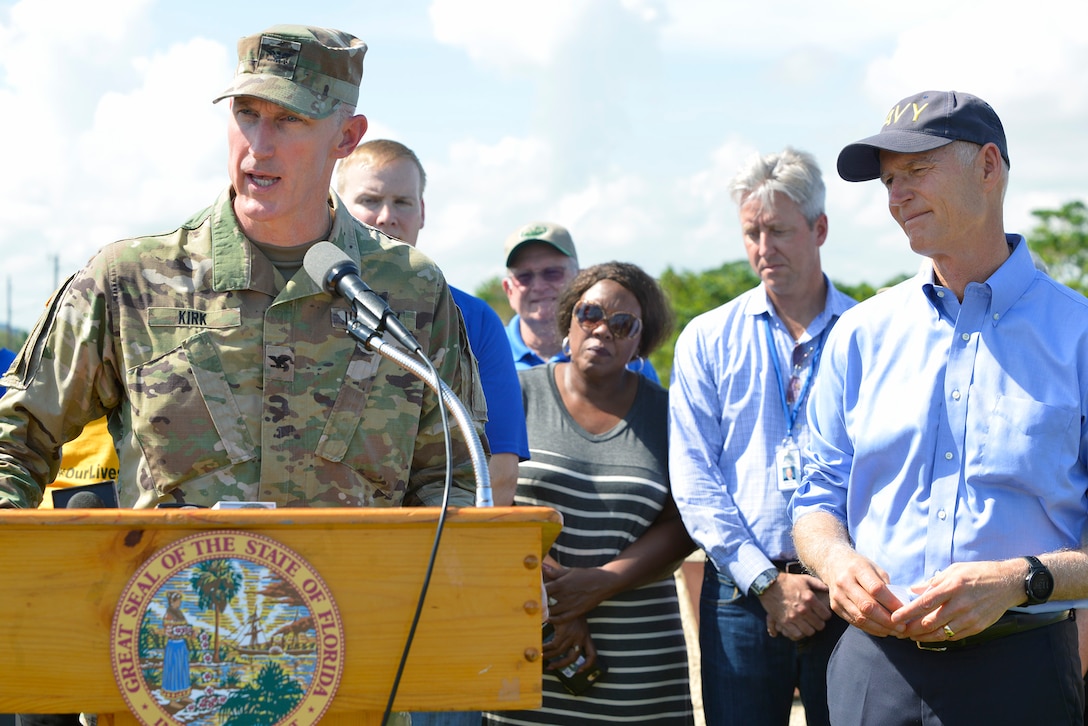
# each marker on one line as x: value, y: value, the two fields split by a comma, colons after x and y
x: 540, y: 261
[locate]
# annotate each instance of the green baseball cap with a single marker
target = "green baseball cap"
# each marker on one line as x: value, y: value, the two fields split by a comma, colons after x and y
x: 307, y: 70
x: 546, y: 232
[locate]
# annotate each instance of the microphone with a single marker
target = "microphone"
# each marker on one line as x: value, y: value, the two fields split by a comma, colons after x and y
x: 85, y: 500
x: 332, y: 270
x: 100, y: 495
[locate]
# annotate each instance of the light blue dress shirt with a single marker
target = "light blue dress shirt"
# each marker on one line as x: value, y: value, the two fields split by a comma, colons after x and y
x: 726, y: 420
x: 954, y: 432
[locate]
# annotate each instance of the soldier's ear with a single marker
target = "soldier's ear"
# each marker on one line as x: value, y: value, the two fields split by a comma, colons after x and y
x: 351, y: 133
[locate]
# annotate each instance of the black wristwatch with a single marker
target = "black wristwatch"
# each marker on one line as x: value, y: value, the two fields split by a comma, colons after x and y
x: 1039, y: 584
x: 763, y: 580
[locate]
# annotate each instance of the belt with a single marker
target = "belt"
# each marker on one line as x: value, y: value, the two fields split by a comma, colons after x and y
x: 790, y: 567
x: 1010, y: 623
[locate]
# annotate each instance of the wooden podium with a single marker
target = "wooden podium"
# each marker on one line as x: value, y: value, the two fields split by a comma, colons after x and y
x: 477, y: 645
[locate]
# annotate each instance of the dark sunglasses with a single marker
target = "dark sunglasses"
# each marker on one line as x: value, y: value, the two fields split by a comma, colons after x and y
x: 621, y: 325
x: 550, y: 275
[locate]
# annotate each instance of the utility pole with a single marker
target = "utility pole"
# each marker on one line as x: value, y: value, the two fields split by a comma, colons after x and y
x: 7, y: 343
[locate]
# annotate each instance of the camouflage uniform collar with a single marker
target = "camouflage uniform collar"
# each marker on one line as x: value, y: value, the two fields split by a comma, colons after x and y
x: 237, y: 265
x: 343, y: 234
x: 344, y: 228
x: 233, y: 257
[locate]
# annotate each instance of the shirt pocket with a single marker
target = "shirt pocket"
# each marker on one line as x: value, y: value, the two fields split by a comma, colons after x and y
x: 185, y: 416
x: 372, y: 426
x: 1022, y: 439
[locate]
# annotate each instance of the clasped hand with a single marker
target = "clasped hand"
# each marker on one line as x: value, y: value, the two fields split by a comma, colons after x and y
x: 798, y: 606
x: 572, y: 593
x: 963, y: 600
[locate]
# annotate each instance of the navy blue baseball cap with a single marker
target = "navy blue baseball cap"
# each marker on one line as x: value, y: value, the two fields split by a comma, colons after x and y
x: 924, y: 121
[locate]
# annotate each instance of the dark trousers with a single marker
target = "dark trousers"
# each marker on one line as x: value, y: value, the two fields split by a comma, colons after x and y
x: 47, y: 719
x: 1026, y: 678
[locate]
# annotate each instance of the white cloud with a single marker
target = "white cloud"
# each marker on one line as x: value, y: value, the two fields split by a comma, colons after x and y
x: 1041, y: 60
x: 720, y: 27
x: 111, y: 142
x: 482, y: 193
x: 510, y: 36
x: 147, y: 147
x: 859, y: 27
x: 477, y: 196
x: 630, y: 118
x: 530, y: 37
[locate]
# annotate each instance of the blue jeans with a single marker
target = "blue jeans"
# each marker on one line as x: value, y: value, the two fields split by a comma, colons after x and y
x: 748, y: 676
x: 446, y: 718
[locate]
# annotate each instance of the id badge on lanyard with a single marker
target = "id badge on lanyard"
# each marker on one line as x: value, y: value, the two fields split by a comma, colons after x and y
x: 787, y: 459
x: 787, y: 455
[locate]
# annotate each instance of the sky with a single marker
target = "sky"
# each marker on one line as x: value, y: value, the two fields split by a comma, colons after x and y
x: 623, y: 120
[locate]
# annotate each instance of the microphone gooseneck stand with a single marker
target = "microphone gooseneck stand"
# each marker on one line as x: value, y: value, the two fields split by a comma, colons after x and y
x: 372, y: 340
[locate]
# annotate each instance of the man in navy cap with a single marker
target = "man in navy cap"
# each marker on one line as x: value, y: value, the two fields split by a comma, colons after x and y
x: 943, y: 500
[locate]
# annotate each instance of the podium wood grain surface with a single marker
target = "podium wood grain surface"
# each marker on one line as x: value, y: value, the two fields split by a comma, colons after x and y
x: 476, y: 647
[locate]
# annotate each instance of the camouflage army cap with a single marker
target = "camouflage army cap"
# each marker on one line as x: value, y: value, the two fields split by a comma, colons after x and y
x: 546, y: 232
x: 307, y: 70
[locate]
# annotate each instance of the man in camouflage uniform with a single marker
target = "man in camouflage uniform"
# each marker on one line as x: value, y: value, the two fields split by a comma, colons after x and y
x: 225, y: 372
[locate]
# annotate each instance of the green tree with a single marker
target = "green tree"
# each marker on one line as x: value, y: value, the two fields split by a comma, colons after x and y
x: 1061, y: 241
x: 150, y: 638
x: 491, y: 292
x: 693, y: 293
x: 690, y: 294
x: 267, y: 700
x: 215, y: 583
x: 13, y: 339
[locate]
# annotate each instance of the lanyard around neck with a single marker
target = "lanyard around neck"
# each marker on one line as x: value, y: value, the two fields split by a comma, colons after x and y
x: 791, y: 413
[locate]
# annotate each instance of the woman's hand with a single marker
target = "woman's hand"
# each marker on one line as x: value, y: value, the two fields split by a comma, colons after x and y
x: 574, y: 591
x: 571, y: 639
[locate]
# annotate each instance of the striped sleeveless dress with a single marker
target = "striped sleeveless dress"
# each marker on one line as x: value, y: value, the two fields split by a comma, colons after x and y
x: 609, y: 488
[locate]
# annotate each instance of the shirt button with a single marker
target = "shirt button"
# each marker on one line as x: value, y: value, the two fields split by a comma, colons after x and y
x: 965, y: 336
x: 955, y: 395
x: 948, y: 455
x: 941, y: 515
x: 997, y: 316
x: 940, y: 293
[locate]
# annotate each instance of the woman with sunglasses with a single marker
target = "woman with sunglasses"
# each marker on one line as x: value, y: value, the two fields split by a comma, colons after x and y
x: 597, y: 439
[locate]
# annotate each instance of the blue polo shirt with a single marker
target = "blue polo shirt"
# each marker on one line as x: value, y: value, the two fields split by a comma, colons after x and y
x: 505, y: 427
x: 6, y: 357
